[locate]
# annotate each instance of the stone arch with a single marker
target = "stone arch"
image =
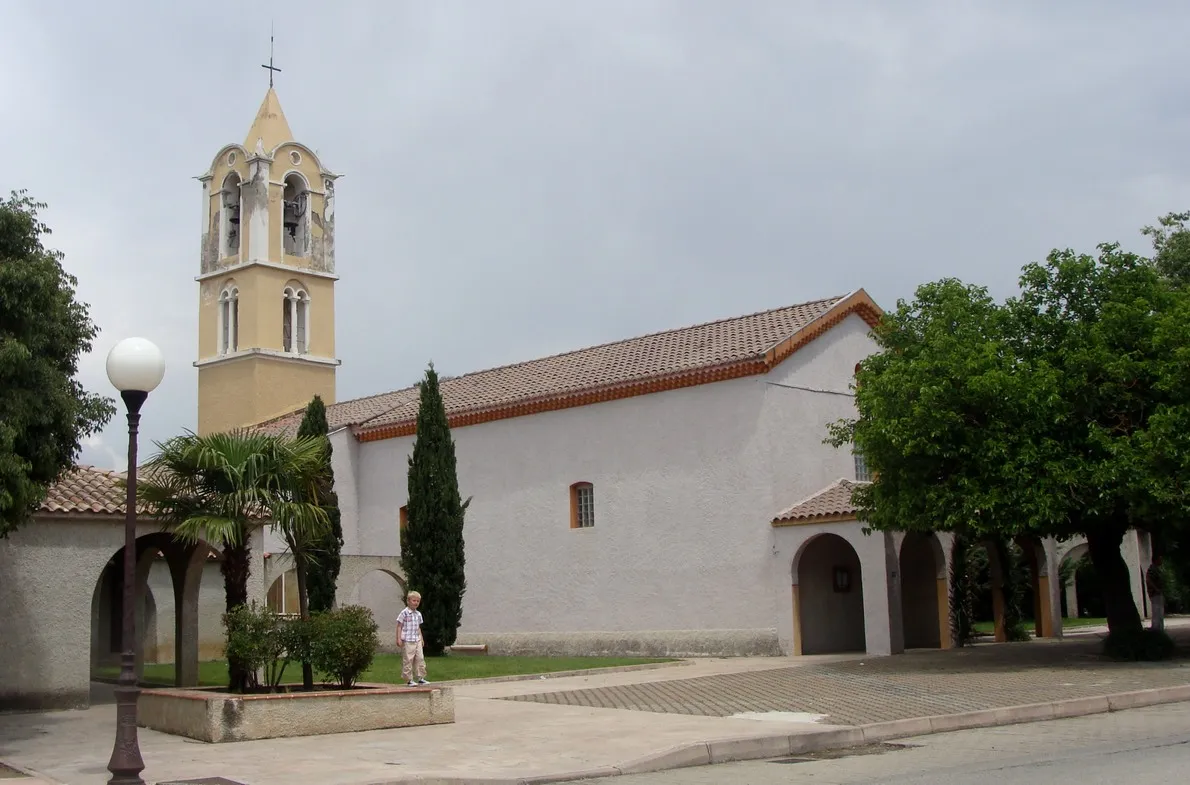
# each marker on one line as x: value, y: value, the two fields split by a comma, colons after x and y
x: 1037, y: 554
x: 925, y: 591
x: 377, y: 583
x: 1074, y: 592
x: 828, y: 596
x: 185, y: 563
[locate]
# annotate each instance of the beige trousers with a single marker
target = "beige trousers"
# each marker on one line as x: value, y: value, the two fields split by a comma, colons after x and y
x: 413, y: 661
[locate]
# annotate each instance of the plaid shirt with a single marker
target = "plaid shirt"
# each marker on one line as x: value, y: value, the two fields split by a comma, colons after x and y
x: 410, y: 622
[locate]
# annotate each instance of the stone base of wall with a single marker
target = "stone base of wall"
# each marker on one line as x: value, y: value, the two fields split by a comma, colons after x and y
x: 44, y: 700
x: 634, y: 643
x: 214, y: 716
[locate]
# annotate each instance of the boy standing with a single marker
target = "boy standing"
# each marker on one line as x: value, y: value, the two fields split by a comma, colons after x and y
x: 410, y: 641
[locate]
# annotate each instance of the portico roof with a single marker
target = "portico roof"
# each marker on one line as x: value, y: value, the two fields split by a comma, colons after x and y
x: 832, y: 503
x: 87, y: 490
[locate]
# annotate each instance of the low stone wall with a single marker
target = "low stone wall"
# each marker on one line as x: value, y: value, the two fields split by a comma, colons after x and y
x: 633, y: 643
x: 214, y: 716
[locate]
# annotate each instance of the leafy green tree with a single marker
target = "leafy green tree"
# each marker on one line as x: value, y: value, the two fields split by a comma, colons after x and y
x: 219, y: 486
x: 1060, y: 412
x: 325, y: 553
x: 1171, y: 246
x: 434, y: 560
x: 44, y: 411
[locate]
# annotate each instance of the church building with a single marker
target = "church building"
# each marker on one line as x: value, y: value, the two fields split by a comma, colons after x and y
x: 667, y: 494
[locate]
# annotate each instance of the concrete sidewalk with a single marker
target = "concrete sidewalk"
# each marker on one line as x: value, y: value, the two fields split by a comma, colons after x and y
x: 604, y: 724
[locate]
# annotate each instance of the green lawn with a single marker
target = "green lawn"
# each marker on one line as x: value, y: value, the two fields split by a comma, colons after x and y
x: 988, y: 628
x: 386, y: 668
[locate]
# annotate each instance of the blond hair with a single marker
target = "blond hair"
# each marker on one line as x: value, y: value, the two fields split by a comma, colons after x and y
x: 412, y: 594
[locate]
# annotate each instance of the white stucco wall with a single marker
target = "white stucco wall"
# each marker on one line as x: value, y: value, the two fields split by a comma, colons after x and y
x: 686, y: 484
x: 344, y: 456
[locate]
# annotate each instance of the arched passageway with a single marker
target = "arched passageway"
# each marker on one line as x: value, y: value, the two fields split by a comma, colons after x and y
x: 107, y: 618
x: 828, y: 597
x: 1082, y: 595
x: 185, y: 565
x: 925, y: 596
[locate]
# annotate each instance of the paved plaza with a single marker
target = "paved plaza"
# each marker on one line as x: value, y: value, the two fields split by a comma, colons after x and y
x: 881, y: 689
x: 602, y: 723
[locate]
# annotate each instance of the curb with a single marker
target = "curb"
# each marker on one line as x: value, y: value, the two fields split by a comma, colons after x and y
x: 704, y: 753
x: 28, y: 776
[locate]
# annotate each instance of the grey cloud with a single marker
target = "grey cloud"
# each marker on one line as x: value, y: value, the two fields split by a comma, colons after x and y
x: 529, y: 177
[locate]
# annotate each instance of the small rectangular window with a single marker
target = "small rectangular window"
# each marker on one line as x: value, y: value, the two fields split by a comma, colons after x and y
x: 582, y: 505
x: 861, y: 467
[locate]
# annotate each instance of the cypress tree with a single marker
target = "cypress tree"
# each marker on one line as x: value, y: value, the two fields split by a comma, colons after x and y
x: 324, y: 565
x: 433, y: 559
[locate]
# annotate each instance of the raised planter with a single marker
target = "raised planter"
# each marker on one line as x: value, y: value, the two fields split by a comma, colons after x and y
x: 208, y: 714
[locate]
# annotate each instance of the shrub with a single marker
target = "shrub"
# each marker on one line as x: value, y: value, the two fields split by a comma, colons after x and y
x: 343, y: 643
x: 1144, y: 644
x: 261, y: 640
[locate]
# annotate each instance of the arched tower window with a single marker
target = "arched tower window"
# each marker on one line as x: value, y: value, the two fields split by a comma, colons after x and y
x: 229, y: 319
x: 295, y: 320
x: 229, y: 222
x: 295, y: 216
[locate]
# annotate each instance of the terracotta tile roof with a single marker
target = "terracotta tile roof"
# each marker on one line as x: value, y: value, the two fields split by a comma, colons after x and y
x: 85, y: 489
x: 831, y: 502
x: 342, y: 414
x: 714, y: 351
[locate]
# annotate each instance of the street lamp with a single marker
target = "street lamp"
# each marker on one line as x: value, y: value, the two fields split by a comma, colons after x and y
x: 135, y: 368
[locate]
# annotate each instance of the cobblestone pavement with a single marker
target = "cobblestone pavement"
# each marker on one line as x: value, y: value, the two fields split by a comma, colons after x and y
x: 918, y: 684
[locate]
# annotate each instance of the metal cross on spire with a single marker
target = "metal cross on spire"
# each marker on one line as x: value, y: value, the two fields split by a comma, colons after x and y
x: 270, y: 66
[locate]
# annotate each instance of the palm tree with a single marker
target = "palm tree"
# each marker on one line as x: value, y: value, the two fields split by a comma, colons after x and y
x: 216, y: 487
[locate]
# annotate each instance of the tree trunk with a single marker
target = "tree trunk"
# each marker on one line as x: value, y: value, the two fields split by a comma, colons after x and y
x: 1154, y: 585
x: 299, y: 566
x: 1104, y: 547
x: 236, y: 568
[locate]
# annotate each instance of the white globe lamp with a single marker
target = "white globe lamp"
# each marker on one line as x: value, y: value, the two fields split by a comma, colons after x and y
x: 135, y: 365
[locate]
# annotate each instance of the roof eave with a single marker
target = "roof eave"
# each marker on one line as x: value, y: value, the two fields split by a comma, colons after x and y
x: 659, y: 383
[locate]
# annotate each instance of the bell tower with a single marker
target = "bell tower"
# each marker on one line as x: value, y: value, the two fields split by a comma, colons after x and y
x: 266, y: 305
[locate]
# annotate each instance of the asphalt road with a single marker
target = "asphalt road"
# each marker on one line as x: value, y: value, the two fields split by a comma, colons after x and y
x: 1140, y: 747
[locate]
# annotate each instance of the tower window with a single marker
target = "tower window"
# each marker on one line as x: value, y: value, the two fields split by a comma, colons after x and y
x: 229, y: 319
x: 295, y: 320
x: 295, y: 216
x: 229, y: 224
x: 582, y: 505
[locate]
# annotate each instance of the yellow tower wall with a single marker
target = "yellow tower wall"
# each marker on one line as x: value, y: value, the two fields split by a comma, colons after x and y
x: 258, y: 387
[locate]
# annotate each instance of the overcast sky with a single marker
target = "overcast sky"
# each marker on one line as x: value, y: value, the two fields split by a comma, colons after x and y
x: 529, y: 176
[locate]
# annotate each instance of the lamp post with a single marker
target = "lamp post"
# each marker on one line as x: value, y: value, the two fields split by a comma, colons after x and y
x: 135, y: 368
